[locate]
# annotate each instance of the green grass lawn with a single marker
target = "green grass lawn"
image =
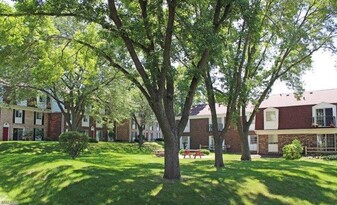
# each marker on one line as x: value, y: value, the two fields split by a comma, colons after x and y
x: 37, y: 173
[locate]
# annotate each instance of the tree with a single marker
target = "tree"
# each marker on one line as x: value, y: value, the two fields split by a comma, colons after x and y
x: 141, y: 114
x: 149, y: 32
x: 68, y: 72
x: 273, y: 40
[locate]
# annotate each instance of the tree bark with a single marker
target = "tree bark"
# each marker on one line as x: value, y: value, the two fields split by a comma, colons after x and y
x: 172, y: 167
x: 245, y: 152
x: 218, y: 162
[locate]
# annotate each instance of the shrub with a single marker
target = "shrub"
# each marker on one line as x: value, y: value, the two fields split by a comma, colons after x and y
x: 93, y: 140
x: 293, y: 150
x: 73, y: 143
x: 205, y: 151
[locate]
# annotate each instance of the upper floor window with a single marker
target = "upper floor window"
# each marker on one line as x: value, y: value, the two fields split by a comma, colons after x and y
x: 85, y: 121
x: 271, y: 118
x: 324, y: 115
x: 19, y: 116
x: 38, y: 118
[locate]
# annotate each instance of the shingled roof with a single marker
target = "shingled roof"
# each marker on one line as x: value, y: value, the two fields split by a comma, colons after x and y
x: 308, y: 98
x: 279, y: 100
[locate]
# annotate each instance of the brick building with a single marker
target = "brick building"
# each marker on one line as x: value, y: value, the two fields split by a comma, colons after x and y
x: 280, y: 119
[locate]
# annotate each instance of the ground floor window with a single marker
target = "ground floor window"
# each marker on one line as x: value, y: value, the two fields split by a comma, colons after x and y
x: 184, y: 142
x: 18, y: 133
x: 99, y: 135
x: 38, y: 134
x: 253, y: 139
x: 326, y: 141
x: 133, y: 136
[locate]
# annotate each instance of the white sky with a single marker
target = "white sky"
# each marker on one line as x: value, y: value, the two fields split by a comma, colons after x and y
x: 322, y: 76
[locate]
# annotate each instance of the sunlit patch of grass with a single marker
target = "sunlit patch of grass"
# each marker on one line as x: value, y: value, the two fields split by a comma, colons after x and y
x: 110, y: 177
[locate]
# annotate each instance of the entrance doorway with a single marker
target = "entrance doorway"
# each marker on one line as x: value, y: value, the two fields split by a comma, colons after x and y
x: 5, y: 133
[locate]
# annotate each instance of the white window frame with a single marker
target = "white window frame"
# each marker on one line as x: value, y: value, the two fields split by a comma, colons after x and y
x: 18, y: 117
x: 85, y: 120
x: 323, y: 106
x: 271, y: 124
x: 38, y: 120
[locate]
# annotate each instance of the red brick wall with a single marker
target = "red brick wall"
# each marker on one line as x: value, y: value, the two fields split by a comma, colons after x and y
x: 296, y: 117
x: 54, y: 125
x: 198, y: 133
x: 299, y: 117
x: 306, y: 140
x: 123, y: 131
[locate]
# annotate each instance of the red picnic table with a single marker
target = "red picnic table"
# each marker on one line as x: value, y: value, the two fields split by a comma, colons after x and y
x: 194, y: 152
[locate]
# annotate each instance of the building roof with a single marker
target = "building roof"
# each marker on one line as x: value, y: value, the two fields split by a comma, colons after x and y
x: 279, y: 100
x: 308, y: 98
x: 204, y: 110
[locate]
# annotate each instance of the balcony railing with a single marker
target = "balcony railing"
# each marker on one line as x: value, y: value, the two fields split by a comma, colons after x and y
x: 220, y: 127
x: 324, y: 121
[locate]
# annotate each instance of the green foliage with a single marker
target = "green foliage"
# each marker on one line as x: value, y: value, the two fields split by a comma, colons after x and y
x: 293, y: 150
x: 205, y: 151
x: 73, y: 143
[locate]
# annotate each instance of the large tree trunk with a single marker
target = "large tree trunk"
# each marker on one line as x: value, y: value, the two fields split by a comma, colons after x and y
x: 218, y: 162
x: 245, y: 152
x: 172, y: 167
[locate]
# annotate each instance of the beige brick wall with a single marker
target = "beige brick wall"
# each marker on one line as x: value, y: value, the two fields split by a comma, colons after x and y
x: 7, y: 117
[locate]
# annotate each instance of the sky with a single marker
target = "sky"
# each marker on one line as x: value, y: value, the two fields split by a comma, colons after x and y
x: 323, y: 74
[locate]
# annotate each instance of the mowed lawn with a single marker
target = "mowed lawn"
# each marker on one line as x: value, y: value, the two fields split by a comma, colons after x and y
x: 37, y: 173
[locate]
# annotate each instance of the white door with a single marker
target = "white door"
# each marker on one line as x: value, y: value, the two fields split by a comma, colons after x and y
x: 252, y: 139
x: 272, y: 143
x: 185, y: 142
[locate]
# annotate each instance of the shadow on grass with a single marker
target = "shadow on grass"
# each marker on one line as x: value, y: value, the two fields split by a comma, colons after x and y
x: 125, y: 179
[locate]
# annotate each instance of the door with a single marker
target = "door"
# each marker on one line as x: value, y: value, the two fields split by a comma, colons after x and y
x: 5, y: 134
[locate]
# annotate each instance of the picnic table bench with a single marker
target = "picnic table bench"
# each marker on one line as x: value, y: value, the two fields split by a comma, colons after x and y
x: 192, y: 152
x: 159, y: 153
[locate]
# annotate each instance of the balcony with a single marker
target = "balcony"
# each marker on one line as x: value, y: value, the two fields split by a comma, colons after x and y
x: 324, y: 121
x: 220, y: 127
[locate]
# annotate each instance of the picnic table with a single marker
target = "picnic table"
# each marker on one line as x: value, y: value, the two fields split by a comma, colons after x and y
x: 159, y: 153
x: 192, y: 152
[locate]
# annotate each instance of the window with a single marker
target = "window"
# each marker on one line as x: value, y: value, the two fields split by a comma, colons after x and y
x: 18, y: 113
x: 18, y: 133
x: 133, y: 136
x: 19, y: 116
x: 253, y: 139
x: 184, y: 142
x: 38, y: 118
x: 324, y: 115
x: 85, y: 121
x: 38, y: 134
x: 326, y: 142
x: 272, y: 139
x: 99, y: 135
x: 133, y: 124
x: 270, y: 116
